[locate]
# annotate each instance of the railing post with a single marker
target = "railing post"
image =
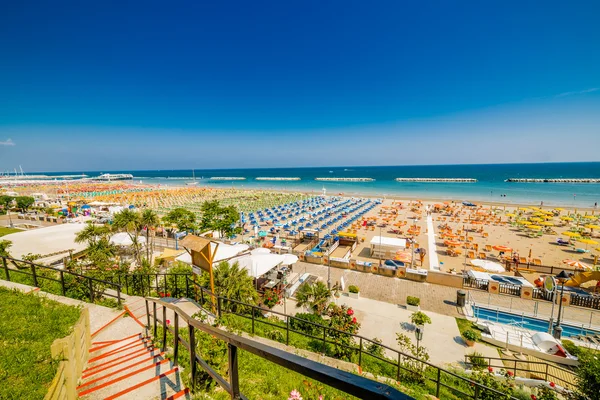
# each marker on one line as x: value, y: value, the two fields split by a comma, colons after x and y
x: 187, y: 286
x: 437, y: 383
x: 154, y: 313
x: 127, y: 285
x: 91, y: 290
x: 5, y: 265
x: 62, y: 283
x: 287, y: 329
x: 176, y: 344
x: 360, y: 344
x: 164, y: 338
x: 234, y: 380
x: 166, y: 286
x: 324, y: 342
x: 119, y: 295
x: 398, y: 371
x: 192, y: 338
x: 515, y: 369
x: 35, y: 282
x: 176, y: 288
x: 147, y: 314
x: 547, y: 371
x: 219, y: 306
x: 252, y: 312
x: 476, y: 396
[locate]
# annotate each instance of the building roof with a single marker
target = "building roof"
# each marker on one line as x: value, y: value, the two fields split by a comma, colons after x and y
x: 388, y: 241
x: 195, y: 243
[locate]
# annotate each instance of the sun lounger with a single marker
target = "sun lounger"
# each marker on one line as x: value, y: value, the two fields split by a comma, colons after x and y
x: 482, y: 255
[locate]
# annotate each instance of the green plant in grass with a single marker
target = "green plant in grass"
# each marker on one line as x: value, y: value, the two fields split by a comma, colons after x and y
x: 353, y: 289
x: 477, y: 361
x: 413, y: 301
x: 470, y: 335
x: 420, y: 318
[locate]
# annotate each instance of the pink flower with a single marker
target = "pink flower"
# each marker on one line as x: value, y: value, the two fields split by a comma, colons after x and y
x: 350, y: 311
x: 552, y: 384
x: 168, y: 322
x: 533, y: 397
x: 295, y: 395
x: 490, y: 369
x: 354, y: 320
x: 321, y: 397
x: 509, y: 373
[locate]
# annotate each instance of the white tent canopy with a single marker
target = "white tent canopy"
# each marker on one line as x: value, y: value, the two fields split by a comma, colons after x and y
x: 224, y: 252
x: 259, y: 264
x: 488, y: 265
x: 123, y: 239
x: 382, y: 246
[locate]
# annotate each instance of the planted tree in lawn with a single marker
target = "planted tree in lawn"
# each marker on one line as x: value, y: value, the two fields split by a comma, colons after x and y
x: 24, y: 202
x: 149, y: 219
x: 129, y: 221
x: 316, y: 297
x: 233, y: 282
x: 183, y: 219
x: 221, y: 219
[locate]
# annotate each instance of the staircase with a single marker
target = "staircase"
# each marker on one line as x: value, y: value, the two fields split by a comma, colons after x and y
x: 129, y: 365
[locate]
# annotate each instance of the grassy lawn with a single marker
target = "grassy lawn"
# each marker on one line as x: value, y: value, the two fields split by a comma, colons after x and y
x: 7, y: 231
x: 28, y: 326
x: 465, y: 324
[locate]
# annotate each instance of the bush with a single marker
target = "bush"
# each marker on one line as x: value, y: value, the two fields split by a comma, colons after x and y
x: 353, y: 289
x: 477, y: 361
x: 420, y: 318
x: 470, y: 335
x: 413, y: 301
x: 570, y: 347
x: 588, y: 375
x: 306, y: 327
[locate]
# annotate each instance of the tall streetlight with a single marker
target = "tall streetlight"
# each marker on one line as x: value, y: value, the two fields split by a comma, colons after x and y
x: 420, y: 329
x: 562, y: 278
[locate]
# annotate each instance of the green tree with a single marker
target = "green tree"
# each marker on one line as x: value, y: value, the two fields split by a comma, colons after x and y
x: 24, y: 202
x: 233, y: 282
x: 315, y: 297
x: 588, y: 375
x: 6, y: 201
x: 220, y: 219
x: 183, y: 219
x: 4, y: 245
x: 129, y: 221
x: 91, y: 234
x: 149, y: 219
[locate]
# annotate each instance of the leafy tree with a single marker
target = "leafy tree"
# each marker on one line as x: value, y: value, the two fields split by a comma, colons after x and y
x: 420, y: 318
x: 6, y: 201
x: 315, y: 297
x: 175, y: 280
x: 505, y: 385
x: 233, y: 282
x: 91, y: 234
x: 24, y: 202
x: 412, y: 365
x: 4, y: 245
x: 344, y: 322
x: 185, y: 220
x: 129, y: 221
x: 149, y: 219
x: 588, y: 375
x: 220, y: 219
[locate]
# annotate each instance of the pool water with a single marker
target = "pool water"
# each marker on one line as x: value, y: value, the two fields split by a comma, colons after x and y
x: 534, y: 324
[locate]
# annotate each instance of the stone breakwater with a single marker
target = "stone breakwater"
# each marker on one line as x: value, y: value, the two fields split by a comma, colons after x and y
x: 554, y: 180
x: 267, y: 178
x: 345, y: 179
x: 227, y: 178
x: 457, y: 180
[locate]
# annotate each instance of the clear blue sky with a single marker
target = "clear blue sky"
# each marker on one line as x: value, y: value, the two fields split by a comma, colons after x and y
x: 110, y: 85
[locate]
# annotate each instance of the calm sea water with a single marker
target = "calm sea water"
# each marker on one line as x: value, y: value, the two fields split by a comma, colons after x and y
x: 490, y: 185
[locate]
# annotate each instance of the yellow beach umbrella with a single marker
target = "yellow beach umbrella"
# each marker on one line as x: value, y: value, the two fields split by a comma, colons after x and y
x: 592, y: 226
x: 587, y: 241
x: 572, y: 234
x: 590, y: 216
x: 535, y: 219
x: 565, y: 218
x: 559, y: 209
x: 523, y: 222
x: 524, y: 209
x: 534, y: 227
x: 511, y: 215
x: 547, y: 223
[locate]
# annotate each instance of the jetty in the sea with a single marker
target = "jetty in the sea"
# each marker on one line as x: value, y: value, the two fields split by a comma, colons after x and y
x: 450, y: 180
x: 113, y: 177
x: 273, y: 178
x: 554, y: 180
x: 345, y: 179
x: 227, y: 178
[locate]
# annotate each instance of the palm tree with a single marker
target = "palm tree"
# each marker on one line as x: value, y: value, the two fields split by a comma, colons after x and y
x: 233, y: 282
x: 4, y: 245
x: 129, y: 221
x: 316, y: 297
x: 91, y: 234
x: 149, y: 219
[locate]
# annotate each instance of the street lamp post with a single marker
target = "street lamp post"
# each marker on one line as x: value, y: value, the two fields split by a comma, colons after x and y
x: 562, y: 278
x: 419, y: 335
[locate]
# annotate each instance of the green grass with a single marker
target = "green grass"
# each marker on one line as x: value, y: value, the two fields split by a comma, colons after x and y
x: 28, y: 326
x: 8, y: 231
x: 465, y: 324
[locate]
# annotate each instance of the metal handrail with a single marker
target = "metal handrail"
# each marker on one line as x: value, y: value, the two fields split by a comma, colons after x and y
x: 61, y: 273
x: 361, y: 339
x: 345, y: 381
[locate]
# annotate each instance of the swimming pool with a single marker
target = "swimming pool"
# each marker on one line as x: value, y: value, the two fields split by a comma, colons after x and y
x: 534, y: 324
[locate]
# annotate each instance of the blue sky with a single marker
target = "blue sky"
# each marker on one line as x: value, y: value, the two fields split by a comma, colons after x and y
x: 155, y: 85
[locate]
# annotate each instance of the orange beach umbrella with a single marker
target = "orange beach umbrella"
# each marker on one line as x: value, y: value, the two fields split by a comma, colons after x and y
x: 502, y: 248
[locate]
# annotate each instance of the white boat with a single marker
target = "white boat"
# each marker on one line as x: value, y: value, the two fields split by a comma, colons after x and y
x: 539, y: 344
x: 194, y: 182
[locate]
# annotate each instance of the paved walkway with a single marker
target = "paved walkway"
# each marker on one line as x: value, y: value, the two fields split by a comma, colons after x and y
x: 434, y: 263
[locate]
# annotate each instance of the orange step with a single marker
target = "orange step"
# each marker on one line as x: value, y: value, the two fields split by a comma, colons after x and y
x: 179, y: 394
x: 120, y: 349
x: 103, y: 345
x: 139, y: 353
x: 139, y: 385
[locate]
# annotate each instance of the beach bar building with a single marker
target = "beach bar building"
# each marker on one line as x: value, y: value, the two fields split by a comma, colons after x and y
x: 386, y: 247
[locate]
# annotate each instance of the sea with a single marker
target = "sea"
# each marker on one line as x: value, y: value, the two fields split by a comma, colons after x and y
x: 490, y: 185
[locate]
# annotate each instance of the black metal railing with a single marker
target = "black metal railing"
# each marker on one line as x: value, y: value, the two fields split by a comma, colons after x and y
x: 345, y: 381
x: 72, y: 284
x: 440, y: 377
x: 541, y: 294
x: 591, y: 301
x: 161, y: 285
x: 479, y: 284
x: 545, y: 371
x: 507, y: 288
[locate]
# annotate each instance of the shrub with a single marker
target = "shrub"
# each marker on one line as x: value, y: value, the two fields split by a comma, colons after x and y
x: 275, y: 335
x: 353, y: 289
x: 413, y: 301
x: 470, y: 335
x: 374, y: 348
x: 307, y: 328
x: 588, y: 375
x: 270, y: 298
x: 477, y: 361
x: 570, y: 347
x: 420, y: 318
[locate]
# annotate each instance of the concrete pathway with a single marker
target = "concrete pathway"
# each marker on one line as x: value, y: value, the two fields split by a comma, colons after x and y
x: 434, y: 263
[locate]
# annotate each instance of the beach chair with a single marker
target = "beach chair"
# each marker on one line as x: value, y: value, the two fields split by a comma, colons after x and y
x: 471, y: 254
x: 450, y: 252
x: 471, y: 239
x: 537, y: 261
x: 457, y: 252
x: 522, y: 260
x: 485, y: 234
x: 488, y: 247
x: 482, y: 255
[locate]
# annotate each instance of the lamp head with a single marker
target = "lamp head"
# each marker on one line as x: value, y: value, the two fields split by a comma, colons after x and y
x: 563, y: 276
